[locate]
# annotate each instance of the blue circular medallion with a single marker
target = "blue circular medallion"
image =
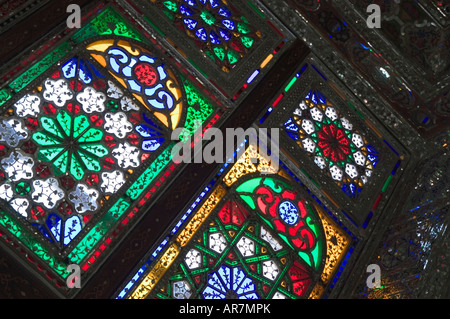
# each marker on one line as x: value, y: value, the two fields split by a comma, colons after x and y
x: 288, y: 213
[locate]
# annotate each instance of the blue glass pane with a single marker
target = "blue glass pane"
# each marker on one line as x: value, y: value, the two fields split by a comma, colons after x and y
x: 229, y: 24
x: 190, y: 23
x: 54, y: 224
x: 223, y: 11
x: 225, y: 34
x: 70, y: 68
x: 185, y: 10
x: 152, y: 145
x: 201, y: 34
x: 214, y: 38
x: 72, y: 228
x: 192, y: 3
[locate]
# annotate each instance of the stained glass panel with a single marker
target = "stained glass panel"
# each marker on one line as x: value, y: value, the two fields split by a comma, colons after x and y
x: 85, y: 143
x: 216, y: 27
x: 230, y: 43
x: 332, y: 142
x: 264, y: 238
x: 335, y: 145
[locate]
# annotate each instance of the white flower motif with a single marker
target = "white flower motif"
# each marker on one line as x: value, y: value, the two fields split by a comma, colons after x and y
x: 112, y: 182
x: 84, y: 199
x: 20, y: 205
x: 47, y: 192
x: 114, y: 92
x: 126, y: 155
x: 18, y: 166
x: 6, y: 192
x: 127, y: 104
x: 57, y: 92
x: 117, y: 124
x: 28, y: 105
x: 11, y: 132
x: 91, y: 100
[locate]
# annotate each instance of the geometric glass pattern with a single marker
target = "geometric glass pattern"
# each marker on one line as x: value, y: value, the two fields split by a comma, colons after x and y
x: 333, y: 143
x: 87, y: 142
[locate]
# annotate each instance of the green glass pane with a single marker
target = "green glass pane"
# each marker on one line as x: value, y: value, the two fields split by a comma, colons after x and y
x: 98, y: 231
x: 80, y: 124
x: 65, y: 121
x: 49, y: 154
x: 150, y: 174
x: 61, y: 164
x: 44, y: 139
x: 92, y: 135
x: 247, y: 41
x: 23, y: 188
x: 276, y: 188
x: 108, y: 22
x: 75, y: 168
x: 249, y: 186
x: 95, y: 149
x: 90, y: 162
x: 249, y: 201
x: 317, y: 252
x: 208, y: 17
x: 50, y: 126
x: 37, y: 69
x: 305, y: 257
x: 220, y: 53
x: 233, y: 57
x: 5, y: 95
x: 243, y: 28
x: 171, y: 5
x: 199, y: 108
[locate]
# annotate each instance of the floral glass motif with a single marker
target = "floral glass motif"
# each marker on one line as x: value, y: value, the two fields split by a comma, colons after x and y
x: 79, y: 137
x: 216, y: 27
x: 250, y: 250
x: 333, y: 143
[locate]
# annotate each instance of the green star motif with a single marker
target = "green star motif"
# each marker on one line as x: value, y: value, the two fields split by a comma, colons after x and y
x: 70, y: 144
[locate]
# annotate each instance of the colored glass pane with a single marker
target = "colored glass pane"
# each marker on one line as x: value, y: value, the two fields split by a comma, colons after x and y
x: 260, y: 239
x: 145, y: 76
x: 81, y: 137
x: 216, y: 27
x: 335, y: 146
x: 82, y: 144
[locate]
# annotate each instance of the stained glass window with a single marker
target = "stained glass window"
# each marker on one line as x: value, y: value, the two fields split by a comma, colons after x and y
x: 231, y: 43
x: 252, y: 237
x: 222, y: 33
x: 333, y: 144
x: 85, y: 142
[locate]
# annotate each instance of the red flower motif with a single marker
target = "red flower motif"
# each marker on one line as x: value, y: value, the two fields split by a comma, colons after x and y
x: 146, y: 74
x: 334, y: 143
